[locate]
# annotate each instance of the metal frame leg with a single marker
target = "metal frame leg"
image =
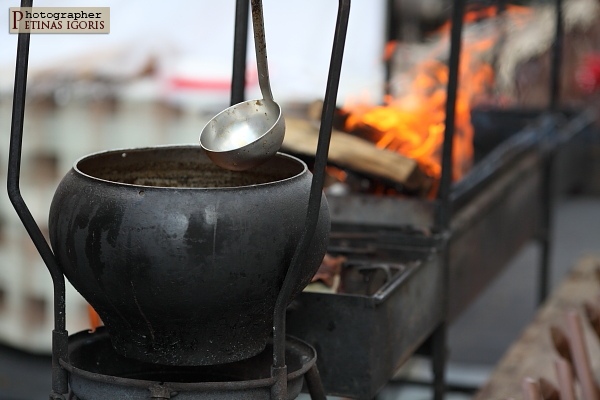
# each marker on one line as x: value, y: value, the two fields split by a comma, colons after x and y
x: 314, y: 384
x: 545, y: 235
x: 438, y: 362
x: 444, y: 211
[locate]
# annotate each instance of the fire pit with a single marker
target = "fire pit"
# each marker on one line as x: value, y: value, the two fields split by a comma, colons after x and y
x: 389, y: 324
x: 454, y: 245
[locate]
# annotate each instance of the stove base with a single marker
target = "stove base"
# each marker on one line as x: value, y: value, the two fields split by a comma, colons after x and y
x: 97, y: 372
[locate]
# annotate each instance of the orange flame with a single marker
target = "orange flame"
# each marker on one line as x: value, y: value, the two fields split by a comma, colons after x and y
x: 414, y: 123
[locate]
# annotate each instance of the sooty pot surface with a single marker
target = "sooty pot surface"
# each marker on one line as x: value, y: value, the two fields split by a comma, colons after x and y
x: 183, y: 260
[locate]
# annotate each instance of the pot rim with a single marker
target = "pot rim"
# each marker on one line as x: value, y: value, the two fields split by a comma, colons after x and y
x: 79, y: 172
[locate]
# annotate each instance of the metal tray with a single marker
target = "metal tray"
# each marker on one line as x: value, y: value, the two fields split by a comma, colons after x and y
x: 362, y: 339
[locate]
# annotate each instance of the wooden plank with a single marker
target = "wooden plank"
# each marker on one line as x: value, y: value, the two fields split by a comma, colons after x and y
x: 533, y: 355
x: 359, y: 155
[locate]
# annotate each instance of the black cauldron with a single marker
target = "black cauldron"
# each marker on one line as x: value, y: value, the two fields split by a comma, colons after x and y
x: 183, y: 260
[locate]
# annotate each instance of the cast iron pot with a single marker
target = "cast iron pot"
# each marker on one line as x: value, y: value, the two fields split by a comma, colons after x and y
x: 181, y: 259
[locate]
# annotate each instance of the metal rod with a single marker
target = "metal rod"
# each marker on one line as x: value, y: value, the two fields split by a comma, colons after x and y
x: 556, y: 59
x: 59, y: 344
x: 438, y: 361
x: 240, y: 45
x: 314, y: 201
x: 391, y: 30
x: 502, y: 27
x: 443, y: 212
x: 545, y: 236
x: 14, y: 173
x: 314, y: 384
x: 279, y: 388
x: 500, y: 7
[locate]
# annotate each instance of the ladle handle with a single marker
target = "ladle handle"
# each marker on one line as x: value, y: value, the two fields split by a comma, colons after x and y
x: 260, y: 46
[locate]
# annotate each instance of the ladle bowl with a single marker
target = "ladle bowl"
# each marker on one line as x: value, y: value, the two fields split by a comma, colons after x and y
x: 183, y: 260
x: 247, y: 134
x: 244, y: 135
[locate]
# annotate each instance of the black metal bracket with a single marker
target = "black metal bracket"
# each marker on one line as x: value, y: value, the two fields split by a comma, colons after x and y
x: 556, y: 58
x: 314, y: 202
x: 444, y: 204
x: 443, y: 216
x: 545, y: 236
x: 59, y: 335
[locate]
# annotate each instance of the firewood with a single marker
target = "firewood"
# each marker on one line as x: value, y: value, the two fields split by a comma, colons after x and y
x: 531, y: 389
x: 356, y: 154
x: 581, y: 359
x: 566, y: 382
x: 329, y: 270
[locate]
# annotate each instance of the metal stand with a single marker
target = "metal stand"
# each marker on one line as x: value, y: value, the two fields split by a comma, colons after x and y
x: 443, y: 212
x: 60, y: 357
x: 545, y: 236
x: 59, y: 334
x: 279, y: 368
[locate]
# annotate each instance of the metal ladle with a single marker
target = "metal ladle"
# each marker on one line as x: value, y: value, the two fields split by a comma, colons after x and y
x: 245, y: 135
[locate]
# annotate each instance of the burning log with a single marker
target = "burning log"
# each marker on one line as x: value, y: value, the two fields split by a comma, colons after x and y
x: 357, y: 154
